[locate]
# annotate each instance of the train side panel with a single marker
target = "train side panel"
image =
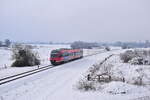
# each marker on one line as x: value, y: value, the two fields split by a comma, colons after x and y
x: 65, y: 55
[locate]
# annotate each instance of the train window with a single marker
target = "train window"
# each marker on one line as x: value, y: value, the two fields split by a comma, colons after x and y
x: 65, y: 54
x: 55, y: 55
x: 70, y: 54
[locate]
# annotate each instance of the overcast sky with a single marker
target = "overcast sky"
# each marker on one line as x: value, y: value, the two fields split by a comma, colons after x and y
x: 71, y: 20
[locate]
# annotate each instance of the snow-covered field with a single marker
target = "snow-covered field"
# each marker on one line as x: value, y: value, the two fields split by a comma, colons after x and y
x: 60, y: 82
x: 6, y: 60
x: 54, y: 84
x: 44, y: 54
x: 136, y: 84
x: 41, y: 49
x: 5, y: 57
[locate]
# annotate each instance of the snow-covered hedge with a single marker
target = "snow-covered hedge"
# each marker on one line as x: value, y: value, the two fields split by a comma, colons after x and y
x: 136, y: 57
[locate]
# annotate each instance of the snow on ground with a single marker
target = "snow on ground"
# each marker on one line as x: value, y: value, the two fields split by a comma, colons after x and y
x: 131, y: 73
x: 123, y: 88
x: 42, y: 49
x: 59, y: 83
x: 130, y: 89
x: 44, y: 54
x: 54, y: 84
x: 5, y: 57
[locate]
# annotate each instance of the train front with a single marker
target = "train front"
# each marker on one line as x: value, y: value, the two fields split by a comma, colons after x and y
x: 55, y: 57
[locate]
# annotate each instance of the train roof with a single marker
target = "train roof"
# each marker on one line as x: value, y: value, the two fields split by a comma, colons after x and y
x: 66, y: 50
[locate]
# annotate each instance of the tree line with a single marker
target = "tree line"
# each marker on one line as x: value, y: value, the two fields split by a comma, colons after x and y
x: 5, y: 43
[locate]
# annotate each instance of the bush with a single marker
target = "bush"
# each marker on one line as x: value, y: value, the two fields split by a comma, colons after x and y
x: 137, y: 61
x: 136, y: 57
x: 24, y: 56
x: 128, y: 55
x: 107, y: 48
x: 86, y: 85
x: 94, y: 69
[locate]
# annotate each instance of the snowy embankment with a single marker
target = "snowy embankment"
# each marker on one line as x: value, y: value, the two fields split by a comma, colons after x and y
x: 55, y: 84
x: 127, y: 81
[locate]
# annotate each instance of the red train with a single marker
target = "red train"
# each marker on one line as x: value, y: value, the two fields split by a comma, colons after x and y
x: 60, y: 56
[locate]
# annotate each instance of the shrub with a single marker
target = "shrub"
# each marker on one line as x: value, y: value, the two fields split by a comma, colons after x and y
x: 94, y: 69
x: 136, y: 57
x: 86, y: 85
x: 24, y: 56
x: 138, y: 80
x: 107, y: 48
x: 128, y: 55
x: 137, y: 61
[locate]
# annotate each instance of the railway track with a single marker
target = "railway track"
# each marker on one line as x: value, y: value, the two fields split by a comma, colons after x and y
x: 31, y: 72
x: 24, y: 74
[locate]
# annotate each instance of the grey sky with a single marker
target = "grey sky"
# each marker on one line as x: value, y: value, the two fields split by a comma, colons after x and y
x: 70, y: 20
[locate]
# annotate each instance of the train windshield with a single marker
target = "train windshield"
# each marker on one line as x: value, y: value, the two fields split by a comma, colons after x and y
x: 55, y: 54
